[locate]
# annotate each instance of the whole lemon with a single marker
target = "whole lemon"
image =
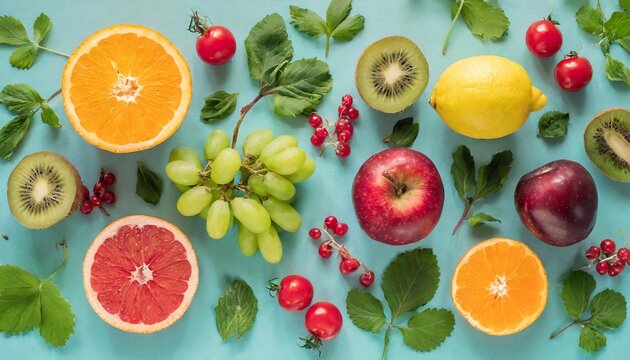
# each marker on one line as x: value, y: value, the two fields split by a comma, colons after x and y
x: 485, y: 97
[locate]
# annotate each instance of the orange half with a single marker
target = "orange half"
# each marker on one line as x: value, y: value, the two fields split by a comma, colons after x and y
x: 126, y: 88
x: 500, y: 286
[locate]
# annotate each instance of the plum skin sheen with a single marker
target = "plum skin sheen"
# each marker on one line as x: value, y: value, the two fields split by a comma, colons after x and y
x: 557, y: 202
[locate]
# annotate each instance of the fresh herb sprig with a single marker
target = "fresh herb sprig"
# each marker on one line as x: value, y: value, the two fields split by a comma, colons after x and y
x: 148, y: 185
x: 218, y: 106
x: 13, y: 33
x: 607, y: 310
x: 338, y: 25
x: 490, y: 179
x: 403, y: 134
x: 409, y: 282
x: 553, y: 124
x: 236, y: 310
x: 485, y: 21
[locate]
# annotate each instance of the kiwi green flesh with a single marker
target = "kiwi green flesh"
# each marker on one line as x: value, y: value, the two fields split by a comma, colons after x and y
x: 43, y: 189
x: 391, y: 74
x: 607, y: 143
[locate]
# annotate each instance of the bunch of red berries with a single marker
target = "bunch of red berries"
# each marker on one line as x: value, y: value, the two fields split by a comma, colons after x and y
x: 339, y: 132
x: 609, y: 260
x: 101, y: 195
x: 348, y: 263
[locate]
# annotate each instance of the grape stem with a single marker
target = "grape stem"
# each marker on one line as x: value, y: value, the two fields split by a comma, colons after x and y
x: 244, y: 111
x: 343, y: 251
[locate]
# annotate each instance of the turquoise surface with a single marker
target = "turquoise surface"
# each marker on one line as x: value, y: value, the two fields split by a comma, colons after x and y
x: 275, y: 333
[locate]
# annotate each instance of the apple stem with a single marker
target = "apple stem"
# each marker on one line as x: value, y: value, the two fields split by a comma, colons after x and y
x: 400, y: 188
x: 469, y: 203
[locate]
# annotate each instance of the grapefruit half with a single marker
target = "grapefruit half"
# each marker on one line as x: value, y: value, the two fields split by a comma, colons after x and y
x: 140, y: 274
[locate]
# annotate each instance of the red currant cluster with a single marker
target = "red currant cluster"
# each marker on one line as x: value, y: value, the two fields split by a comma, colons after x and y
x: 609, y: 260
x: 101, y: 195
x: 340, y: 132
x: 348, y: 264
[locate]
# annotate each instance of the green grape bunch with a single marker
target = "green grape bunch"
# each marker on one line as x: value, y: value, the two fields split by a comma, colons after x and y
x: 258, y: 201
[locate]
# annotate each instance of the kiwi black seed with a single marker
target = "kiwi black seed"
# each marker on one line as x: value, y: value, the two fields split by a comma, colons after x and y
x: 391, y: 74
x: 607, y: 143
x: 43, y: 189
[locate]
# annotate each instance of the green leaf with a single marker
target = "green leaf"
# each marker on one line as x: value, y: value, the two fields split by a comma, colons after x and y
x: 428, y: 329
x: 236, y: 310
x: 267, y: 45
x: 20, y: 98
x: 480, y: 219
x: 337, y: 12
x: 624, y: 4
x: 23, y: 57
x: 591, y: 339
x: 307, y: 21
x: 349, y: 28
x: 618, y: 26
x: 553, y: 124
x: 57, y: 319
x: 590, y: 19
x: 491, y: 177
x: 404, y: 133
x: 625, y: 43
x: 12, y: 32
x: 41, y: 27
x: 218, y: 105
x: 148, y: 185
x: 608, y: 309
x: 616, y: 70
x: 19, y: 300
x: 48, y: 115
x: 410, y: 281
x: 13, y: 132
x: 577, y: 289
x: 301, y: 85
x: 485, y: 21
x: 463, y: 171
x: 365, y: 311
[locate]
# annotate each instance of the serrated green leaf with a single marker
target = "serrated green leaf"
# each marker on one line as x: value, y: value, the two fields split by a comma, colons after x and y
x: 577, y: 289
x: 625, y: 43
x: 553, y: 124
x: 410, y: 280
x: 57, y: 319
x: 23, y: 57
x: 616, y: 70
x: 590, y: 19
x: 48, y: 115
x: 236, y: 310
x: 13, y: 132
x: 463, y: 171
x: 148, y: 185
x: 365, y: 311
x: 12, y: 32
x: 41, y: 27
x: 267, y: 45
x: 19, y: 300
x: 404, y: 133
x: 349, y: 28
x: 618, y: 26
x: 20, y: 98
x: 480, y: 219
x: 491, y: 177
x: 428, y: 329
x: 608, y: 309
x: 307, y: 21
x: 337, y: 12
x: 218, y: 105
x: 591, y: 339
x: 485, y: 21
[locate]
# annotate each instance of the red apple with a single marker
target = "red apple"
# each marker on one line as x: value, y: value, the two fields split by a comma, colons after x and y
x: 398, y: 196
x: 558, y: 202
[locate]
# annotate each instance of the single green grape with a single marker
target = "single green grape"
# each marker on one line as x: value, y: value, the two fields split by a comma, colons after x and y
x: 218, y: 220
x: 270, y: 246
x: 305, y: 172
x: 194, y: 200
x: 247, y: 242
x: 225, y: 166
x: 278, y: 144
x: 187, y: 154
x: 256, y: 141
x: 278, y: 186
x: 257, y: 185
x: 283, y: 214
x: 182, y: 172
x: 251, y: 214
x: 287, y: 161
x: 217, y: 141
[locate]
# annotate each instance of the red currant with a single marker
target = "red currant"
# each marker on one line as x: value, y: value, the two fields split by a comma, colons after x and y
x: 315, y: 120
x: 343, y: 150
x: 344, y: 136
x: 342, y: 110
x: 96, y: 200
x: 344, y: 125
x: 330, y: 222
x: 317, y: 141
x: 108, y: 178
x: 616, y: 267
x: 624, y: 254
x: 85, y: 192
x: 109, y: 197
x: 608, y: 246
x: 347, y: 266
x: 99, y: 189
x: 621, y: 264
x: 325, y: 250
x: 353, y: 113
x: 367, y: 278
x: 346, y: 100
x: 86, y: 207
x: 315, y: 233
x: 593, y: 253
x: 602, y: 267
x: 341, y: 229
x: 321, y: 133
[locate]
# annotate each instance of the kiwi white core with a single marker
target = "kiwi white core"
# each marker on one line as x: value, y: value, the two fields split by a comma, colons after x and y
x: 618, y: 144
x: 392, y: 73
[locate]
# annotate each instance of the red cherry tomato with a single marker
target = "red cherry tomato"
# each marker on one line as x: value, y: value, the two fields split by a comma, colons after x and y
x: 543, y: 38
x: 573, y: 72
x: 295, y: 293
x: 216, y: 45
x: 323, y: 320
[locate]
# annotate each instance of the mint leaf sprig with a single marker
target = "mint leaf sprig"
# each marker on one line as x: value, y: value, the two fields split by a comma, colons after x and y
x: 338, y: 25
x: 489, y: 180
x: 607, y: 310
x: 13, y: 33
x: 148, y: 185
x: 236, y: 310
x: 553, y: 124
x: 409, y: 282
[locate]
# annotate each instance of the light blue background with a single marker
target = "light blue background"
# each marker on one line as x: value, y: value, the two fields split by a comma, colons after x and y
x: 275, y: 333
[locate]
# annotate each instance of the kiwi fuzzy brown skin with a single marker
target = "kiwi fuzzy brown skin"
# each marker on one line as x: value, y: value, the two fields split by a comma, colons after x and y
x: 590, y: 133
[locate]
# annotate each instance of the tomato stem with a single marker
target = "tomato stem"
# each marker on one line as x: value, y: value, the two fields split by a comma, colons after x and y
x: 450, y: 29
x: 197, y: 25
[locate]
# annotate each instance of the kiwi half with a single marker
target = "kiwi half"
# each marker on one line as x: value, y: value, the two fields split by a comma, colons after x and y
x: 607, y: 143
x: 44, y: 188
x: 391, y: 74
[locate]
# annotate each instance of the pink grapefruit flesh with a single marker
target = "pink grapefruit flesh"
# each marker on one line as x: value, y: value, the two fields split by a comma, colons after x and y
x: 140, y: 274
